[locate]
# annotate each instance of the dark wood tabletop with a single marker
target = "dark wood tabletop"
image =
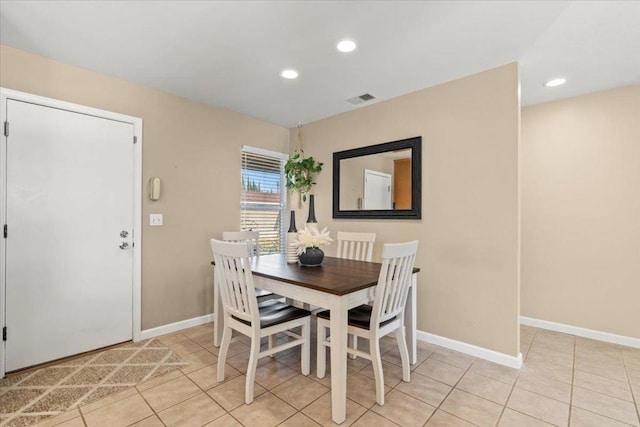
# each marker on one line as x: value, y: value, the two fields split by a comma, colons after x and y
x: 335, y: 276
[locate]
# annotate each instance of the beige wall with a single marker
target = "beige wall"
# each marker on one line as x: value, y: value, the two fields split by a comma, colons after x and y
x: 468, y: 286
x: 192, y: 147
x: 581, y: 211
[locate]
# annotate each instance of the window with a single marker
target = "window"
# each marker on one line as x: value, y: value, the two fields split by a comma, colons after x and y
x: 264, y: 197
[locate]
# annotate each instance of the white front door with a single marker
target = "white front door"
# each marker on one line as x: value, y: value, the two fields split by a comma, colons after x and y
x: 377, y: 190
x: 69, y: 201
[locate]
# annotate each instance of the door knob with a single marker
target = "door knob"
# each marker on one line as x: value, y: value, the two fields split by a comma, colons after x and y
x: 124, y: 233
x: 124, y: 246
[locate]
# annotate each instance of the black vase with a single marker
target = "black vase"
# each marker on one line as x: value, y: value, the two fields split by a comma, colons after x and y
x: 292, y: 223
x: 311, y: 257
x: 312, y: 210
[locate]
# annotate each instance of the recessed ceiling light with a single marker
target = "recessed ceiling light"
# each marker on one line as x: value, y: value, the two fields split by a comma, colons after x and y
x: 346, y: 45
x: 555, y: 82
x: 289, y: 74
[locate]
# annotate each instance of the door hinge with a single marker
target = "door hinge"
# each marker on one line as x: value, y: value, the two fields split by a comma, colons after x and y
x: 4, y: 333
x: 5, y: 231
x: 6, y: 128
x: 135, y: 139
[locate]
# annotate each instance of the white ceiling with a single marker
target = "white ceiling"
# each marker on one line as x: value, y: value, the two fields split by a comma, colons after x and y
x: 230, y: 53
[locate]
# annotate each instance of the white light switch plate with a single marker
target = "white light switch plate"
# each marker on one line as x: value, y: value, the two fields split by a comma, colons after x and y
x: 155, y: 219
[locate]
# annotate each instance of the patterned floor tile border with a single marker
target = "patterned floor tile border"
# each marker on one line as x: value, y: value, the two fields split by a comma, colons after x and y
x: 36, y: 395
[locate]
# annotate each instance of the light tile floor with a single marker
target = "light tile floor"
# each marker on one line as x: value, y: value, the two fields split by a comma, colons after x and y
x: 565, y: 380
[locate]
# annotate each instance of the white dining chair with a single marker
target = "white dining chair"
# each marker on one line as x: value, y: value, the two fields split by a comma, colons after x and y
x: 385, y: 316
x: 242, y: 313
x: 252, y: 239
x: 357, y: 246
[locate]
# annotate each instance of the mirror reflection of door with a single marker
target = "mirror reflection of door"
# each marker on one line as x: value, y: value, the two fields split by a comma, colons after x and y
x: 402, y: 183
x: 377, y: 190
x: 352, y: 181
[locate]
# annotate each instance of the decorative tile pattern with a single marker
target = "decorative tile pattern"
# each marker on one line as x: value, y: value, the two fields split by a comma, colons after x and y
x: 13, y: 400
x: 146, y: 356
x: 47, y: 376
x: 58, y: 400
x: 131, y: 375
x: 565, y: 380
x: 90, y: 375
x: 114, y: 356
x: 36, y: 395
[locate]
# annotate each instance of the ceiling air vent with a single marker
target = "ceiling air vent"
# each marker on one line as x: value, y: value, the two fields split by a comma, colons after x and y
x: 360, y: 99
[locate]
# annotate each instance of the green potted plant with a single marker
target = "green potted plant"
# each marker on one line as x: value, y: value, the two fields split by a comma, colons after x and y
x: 300, y: 173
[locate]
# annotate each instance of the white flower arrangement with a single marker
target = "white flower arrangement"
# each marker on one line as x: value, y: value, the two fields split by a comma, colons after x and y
x: 311, y: 238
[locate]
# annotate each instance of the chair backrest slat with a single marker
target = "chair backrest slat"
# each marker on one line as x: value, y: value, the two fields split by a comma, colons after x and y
x: 394, y: 280
x: 356, y: 246
x: 235, y: 280
x: 251, y: 238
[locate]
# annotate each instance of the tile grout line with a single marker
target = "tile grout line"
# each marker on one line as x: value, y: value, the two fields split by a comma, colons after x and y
x: 159, y: 364
x: 299, y: 411
x: 270, y: 391
x: 84, y: 422
x: 636, y: 402
x: 225, y: 410
x: 573, y: 379
x: 608, y: 395
x: 328, y: 391
x: 453, y: 387
x: 605, y: 378
x: 392, y: 388
x: 149, y: 405
x: 633, y: 402
x: 513, y: 387
x: 156, y: 413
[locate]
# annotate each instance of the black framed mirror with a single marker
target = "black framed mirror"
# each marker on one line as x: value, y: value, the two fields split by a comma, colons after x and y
x: 381, y: 181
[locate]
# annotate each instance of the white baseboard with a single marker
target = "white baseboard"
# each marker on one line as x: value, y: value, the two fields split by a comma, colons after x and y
x: 177, y: 326
x: 473, y: 350
x: 581, y: 332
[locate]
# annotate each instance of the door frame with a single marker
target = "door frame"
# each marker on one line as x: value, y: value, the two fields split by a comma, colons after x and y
x: 9, y: 94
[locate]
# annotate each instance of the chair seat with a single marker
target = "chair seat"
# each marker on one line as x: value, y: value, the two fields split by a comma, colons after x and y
x: 274, y: 312
x: 360, y: 316
x: 261, y: 293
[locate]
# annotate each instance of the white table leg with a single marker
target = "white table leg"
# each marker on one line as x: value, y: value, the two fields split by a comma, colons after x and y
x: 410, y: 320
x: 217, y: 314
x: 338, y: 359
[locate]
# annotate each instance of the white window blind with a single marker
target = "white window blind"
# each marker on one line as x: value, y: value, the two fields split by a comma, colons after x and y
x: 264, y: 197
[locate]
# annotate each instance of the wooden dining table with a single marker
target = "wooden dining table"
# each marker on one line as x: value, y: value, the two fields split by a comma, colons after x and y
x: 338, y: 285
